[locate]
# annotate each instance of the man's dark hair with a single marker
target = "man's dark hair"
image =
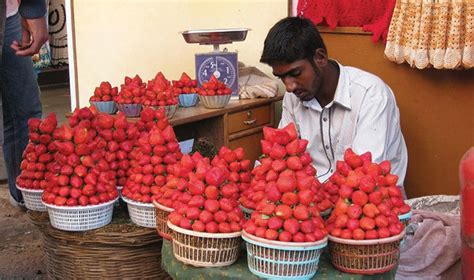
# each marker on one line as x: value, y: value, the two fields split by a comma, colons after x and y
x: 291, y: 39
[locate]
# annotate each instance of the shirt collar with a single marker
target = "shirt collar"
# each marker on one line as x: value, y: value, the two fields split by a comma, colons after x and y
x: 342, y: 95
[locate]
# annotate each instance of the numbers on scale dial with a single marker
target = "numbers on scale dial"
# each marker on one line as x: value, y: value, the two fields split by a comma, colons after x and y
x: 218, y: 66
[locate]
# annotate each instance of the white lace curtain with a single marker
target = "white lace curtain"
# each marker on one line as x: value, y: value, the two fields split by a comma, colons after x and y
x: 432, y: 33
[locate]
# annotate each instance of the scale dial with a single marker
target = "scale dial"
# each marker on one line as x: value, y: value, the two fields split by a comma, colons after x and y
x: 219, y: 66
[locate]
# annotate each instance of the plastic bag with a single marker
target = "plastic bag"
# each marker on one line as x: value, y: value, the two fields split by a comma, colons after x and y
x: 42, y: 59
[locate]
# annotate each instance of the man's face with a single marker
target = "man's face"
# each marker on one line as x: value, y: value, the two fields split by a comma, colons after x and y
x: 300, y: 77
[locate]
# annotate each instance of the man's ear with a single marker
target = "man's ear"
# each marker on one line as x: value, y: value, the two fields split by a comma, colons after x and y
x: 320, y: 57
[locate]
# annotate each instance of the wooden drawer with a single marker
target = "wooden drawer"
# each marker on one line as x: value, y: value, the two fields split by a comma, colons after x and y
x: 251, y: 145
x: 249, y: 118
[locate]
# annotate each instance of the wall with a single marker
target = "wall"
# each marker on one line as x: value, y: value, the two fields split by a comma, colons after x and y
x: 115, y: 38
x: 436, y: 108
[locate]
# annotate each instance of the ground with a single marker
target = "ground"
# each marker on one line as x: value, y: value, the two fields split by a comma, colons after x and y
x: 21, y: 245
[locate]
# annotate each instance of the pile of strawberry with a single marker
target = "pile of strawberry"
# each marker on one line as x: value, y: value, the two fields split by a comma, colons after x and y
x: 159, y: 92
x: 214, y: 87
x: 185, y: 85
x: 208, y: 198
x: 369, y: 202
x: 286, y: 168
x: 104, y: 92
x: 84, y: 177
x: 37, y: 159
x: 283, y: 191
x: 157, y: 149
x: 131, y: 91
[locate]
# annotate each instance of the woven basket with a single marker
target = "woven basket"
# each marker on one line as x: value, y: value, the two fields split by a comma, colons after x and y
x: 142, y: 214
x: 282, y: 260
x: 116, y: 251
x: 203, y: 249
x: 162, y: 219
x: 365, y: 256
x: 33, y: 199
x: 80, y: 218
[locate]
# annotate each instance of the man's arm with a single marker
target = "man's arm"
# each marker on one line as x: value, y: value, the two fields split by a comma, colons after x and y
x: 378, y: 130
x: 35, y: 31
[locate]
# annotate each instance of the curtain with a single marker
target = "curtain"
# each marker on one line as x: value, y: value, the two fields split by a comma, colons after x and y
x: 432, y: 33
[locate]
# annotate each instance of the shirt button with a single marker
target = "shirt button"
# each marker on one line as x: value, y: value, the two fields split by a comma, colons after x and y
x: 325, y: 119
x: 327, y: 147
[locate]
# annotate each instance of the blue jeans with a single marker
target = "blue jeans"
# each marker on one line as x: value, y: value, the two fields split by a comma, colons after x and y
x: 20, y: 97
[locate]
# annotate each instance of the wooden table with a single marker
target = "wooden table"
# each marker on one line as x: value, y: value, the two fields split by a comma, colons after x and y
x: 239, y: 124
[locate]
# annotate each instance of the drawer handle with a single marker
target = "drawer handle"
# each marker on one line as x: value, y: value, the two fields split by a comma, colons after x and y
x: 250, y: 122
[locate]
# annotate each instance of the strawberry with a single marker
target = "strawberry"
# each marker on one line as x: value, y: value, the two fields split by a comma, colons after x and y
x: 291, y: 225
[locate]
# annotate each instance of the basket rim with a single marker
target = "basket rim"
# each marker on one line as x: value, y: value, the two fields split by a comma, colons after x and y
x: 136, y: 203
x: 101, y: 101
x: 405, y: 216
x: 325, y: 212
x: 87, y: 207
x: 225, y: 95
x: 116, y: 103
x: 203, y: 234
x: 245, y: 209
x: 285, y: 245
x: 158, y: 106
x: 369, y: 241
x: 162, y: 207
x: 191, y: 93
x: 29, y: 190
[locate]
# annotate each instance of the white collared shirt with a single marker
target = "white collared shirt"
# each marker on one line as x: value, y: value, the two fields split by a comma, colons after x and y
x: 363, y: 115
x: 12, y: 7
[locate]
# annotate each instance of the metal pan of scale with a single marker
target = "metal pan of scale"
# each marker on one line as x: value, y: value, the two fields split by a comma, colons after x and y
x: 215, y: 36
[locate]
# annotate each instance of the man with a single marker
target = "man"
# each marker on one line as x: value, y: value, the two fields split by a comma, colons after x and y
x: 23, y: 31
x: 333, y: 106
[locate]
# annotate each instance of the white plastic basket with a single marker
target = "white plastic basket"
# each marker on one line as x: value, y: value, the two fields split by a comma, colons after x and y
x: 33, y: 199
x: 283, y: 260
x: 80, y: 218
x: 142, y: 214
x: 204, y: 249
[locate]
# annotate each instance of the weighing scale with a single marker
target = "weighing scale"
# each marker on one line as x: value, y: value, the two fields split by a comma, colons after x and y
x: 222, y: 64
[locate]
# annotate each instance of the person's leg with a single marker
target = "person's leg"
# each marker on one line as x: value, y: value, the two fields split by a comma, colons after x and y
x: 20, y: 96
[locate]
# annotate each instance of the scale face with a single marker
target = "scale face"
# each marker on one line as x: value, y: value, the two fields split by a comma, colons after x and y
x: 223, y: 65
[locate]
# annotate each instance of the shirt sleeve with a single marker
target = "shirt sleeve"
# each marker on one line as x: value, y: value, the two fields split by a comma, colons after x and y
x: 32, y: 8
x: 287, y: 114
x: 372, y: 127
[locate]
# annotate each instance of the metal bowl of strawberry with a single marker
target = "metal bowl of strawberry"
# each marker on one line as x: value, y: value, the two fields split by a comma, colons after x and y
x: 107, y: 107
x: 130, y: 110
x: 188, y: 100
x: 214, y: 102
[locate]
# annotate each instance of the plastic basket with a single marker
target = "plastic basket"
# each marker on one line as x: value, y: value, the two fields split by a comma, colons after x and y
x: 80, y: 218
x: 107, y: 107
x: 204, y: 249
x: 188, y: 100
x: 130, y: 110
x: 214, y: 102
x: 282, y: 260
x: 162, y: 219
x: 33, y: 199
x: 365, y: 256
x: 247, y: 212
x: 142, y: 214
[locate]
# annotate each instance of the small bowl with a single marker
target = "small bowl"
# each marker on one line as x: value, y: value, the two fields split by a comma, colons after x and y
x: 188, y: 100
x: 107, y: 107
x: 130, y: 110
x: 170, y: 110
x: 214, y: 102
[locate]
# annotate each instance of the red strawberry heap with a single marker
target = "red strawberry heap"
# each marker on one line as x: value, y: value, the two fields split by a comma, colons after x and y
x: 239, y: 168
x: 210, y: 208
x: 38, y: 155
x: 185, y: 85
x: 286, y: 170
x: 104, y: 92
x: 214, y: 87
x: 82, y: 176
x: 132, y: 91
x: 157, y: 149
x: 369, y: 202
x: 159, y: 92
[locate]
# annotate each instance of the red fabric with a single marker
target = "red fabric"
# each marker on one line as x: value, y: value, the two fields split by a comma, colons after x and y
x: 371, y: 15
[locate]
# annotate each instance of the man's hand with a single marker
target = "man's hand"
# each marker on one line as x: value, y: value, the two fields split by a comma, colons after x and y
x: 34, y: 35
